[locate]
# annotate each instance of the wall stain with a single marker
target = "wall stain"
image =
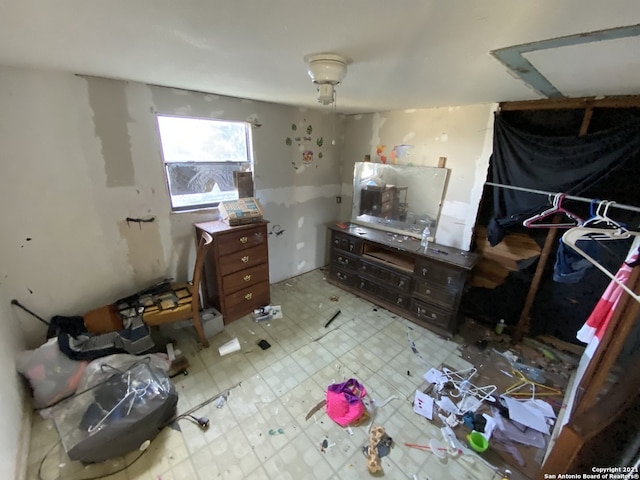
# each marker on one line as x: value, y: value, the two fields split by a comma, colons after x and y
x: 110, y: 118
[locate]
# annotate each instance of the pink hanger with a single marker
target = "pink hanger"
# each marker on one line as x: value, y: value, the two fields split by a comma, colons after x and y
x: 556, y: 208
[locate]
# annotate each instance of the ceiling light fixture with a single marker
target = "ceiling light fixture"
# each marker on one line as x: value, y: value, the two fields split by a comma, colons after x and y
x: 326, y: 70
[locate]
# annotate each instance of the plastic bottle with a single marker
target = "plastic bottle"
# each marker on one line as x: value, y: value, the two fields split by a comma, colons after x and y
x: 425, y: 238
x: 500, y: 326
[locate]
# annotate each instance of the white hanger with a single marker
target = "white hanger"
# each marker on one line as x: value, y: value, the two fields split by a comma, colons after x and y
x: 571, y: 236
x: 556, y: 208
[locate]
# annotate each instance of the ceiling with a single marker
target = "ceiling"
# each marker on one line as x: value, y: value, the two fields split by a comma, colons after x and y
x: 404, y: 54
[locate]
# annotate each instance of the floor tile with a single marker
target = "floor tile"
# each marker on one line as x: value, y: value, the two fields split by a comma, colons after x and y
x: 259, y: 430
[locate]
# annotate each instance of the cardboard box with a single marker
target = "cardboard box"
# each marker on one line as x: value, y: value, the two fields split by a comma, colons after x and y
x: 241, y: 212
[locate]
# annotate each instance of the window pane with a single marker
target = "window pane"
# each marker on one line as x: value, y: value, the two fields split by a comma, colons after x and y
x: 195, y: 185
x: 201, y: 140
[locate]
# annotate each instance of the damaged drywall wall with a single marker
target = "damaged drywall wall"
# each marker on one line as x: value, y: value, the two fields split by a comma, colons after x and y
x: 144, y: 248
x: 108, y: 102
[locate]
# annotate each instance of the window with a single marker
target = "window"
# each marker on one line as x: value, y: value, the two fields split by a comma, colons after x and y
x: 200, y: 158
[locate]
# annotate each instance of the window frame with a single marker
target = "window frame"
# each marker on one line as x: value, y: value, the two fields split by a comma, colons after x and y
x: 248, y: 139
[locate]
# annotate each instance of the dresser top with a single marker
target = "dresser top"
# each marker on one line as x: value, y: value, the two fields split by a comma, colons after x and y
x: 218, y: 226
x: 408, y: 244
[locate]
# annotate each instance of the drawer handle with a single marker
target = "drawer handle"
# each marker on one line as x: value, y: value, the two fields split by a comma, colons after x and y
x: 245, y: 259
x: 424, y: 272
x: 401, y: 284
x: 342, y: 261
x: 248, y: 296
x: 434, y: 316
x: 244, y: 240
x: 449, y: 280
x: 427, y: 291
x: 399, y: 301
x: 341, y: 276
x: 247, y: 278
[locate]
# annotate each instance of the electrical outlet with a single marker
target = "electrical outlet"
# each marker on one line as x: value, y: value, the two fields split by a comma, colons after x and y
x: 338, y: 199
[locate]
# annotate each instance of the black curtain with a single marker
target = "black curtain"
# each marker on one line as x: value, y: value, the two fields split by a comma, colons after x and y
x: 569, y: 164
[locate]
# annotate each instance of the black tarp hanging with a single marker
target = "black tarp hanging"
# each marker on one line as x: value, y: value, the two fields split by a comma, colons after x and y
x: 569, y: 164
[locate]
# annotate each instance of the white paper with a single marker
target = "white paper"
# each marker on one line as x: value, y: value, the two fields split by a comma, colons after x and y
x: 276, y: 312
x: 489, y: 426
x: 447, y: 405
x: 543, y: 407
x: 435, y: 376
x: 526, y: 415
x: 423, y: 405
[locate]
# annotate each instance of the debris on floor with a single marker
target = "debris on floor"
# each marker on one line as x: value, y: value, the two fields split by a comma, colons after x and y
x: 510, y: 397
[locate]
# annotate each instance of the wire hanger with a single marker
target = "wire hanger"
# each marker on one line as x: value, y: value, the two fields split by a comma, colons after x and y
x: 536, y: 388
x: 556, y: 208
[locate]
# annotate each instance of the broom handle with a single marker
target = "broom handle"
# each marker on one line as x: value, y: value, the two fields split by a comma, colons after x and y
x: 17, y: 303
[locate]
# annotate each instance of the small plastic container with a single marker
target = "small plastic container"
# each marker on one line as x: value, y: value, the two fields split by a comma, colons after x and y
x: 500, y: 327
x: 425, y: 238
x: 478, y: 442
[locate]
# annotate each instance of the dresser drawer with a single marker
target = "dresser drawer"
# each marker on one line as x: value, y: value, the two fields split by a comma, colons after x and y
x: 391, y: 277
x: 344, y: 260
x: 342, y: 276
x: 240, y: 240
x: 431, y: 314
x: 245, y: 278
x: 244, y: 301
x: 346, y: 243
x: 243, y: 259
x: 445, y: 297
x: 439, y: 274
x: 399, y: 299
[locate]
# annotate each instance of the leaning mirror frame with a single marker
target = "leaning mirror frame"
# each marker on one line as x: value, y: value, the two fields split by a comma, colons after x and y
x: 401, y: 199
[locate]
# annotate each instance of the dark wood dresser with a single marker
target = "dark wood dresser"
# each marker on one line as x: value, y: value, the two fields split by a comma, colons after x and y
x: 236, y: 271
x: 395, y: 272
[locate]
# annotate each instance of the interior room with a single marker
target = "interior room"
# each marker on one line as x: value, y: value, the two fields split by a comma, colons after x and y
x: 372, y: 135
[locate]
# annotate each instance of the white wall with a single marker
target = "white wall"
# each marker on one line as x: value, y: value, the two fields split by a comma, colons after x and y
x: 461, y: 134
x: 15, y: 411
x: 80, y: 155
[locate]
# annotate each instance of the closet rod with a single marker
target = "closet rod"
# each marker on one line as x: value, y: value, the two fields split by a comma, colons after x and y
x: 567, y: 197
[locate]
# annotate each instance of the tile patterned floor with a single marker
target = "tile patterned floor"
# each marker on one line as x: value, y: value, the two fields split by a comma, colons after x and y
x: 260, y: 433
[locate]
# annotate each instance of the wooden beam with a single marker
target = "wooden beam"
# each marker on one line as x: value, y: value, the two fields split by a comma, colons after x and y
x: 584, y: 427
x: 522, y: 327
x: 586, y: 120
x: 611, y: 345
x: 621, y: 101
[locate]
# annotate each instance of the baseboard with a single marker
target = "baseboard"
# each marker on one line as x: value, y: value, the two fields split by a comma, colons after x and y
x: 24, y: 441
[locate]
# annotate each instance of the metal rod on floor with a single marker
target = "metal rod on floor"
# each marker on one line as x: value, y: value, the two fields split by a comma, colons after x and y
x: 567, y: 197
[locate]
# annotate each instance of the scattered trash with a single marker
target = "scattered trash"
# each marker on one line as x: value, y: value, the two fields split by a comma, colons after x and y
x: 379, y: 445
x: 266, y: 313
x: 423, y: 404
x: 382, y: 404
x: 273, y: 432
x: 332, y: 319
x: 231, y: 346
x: 319, y: 406
x: 325, y: 445
x: 334, y: 298
x: 222, y: 399
x: 263, y: 344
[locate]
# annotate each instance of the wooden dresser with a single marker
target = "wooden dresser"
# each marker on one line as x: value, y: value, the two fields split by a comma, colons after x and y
x: 236, y: 271
x: 393, y: 271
